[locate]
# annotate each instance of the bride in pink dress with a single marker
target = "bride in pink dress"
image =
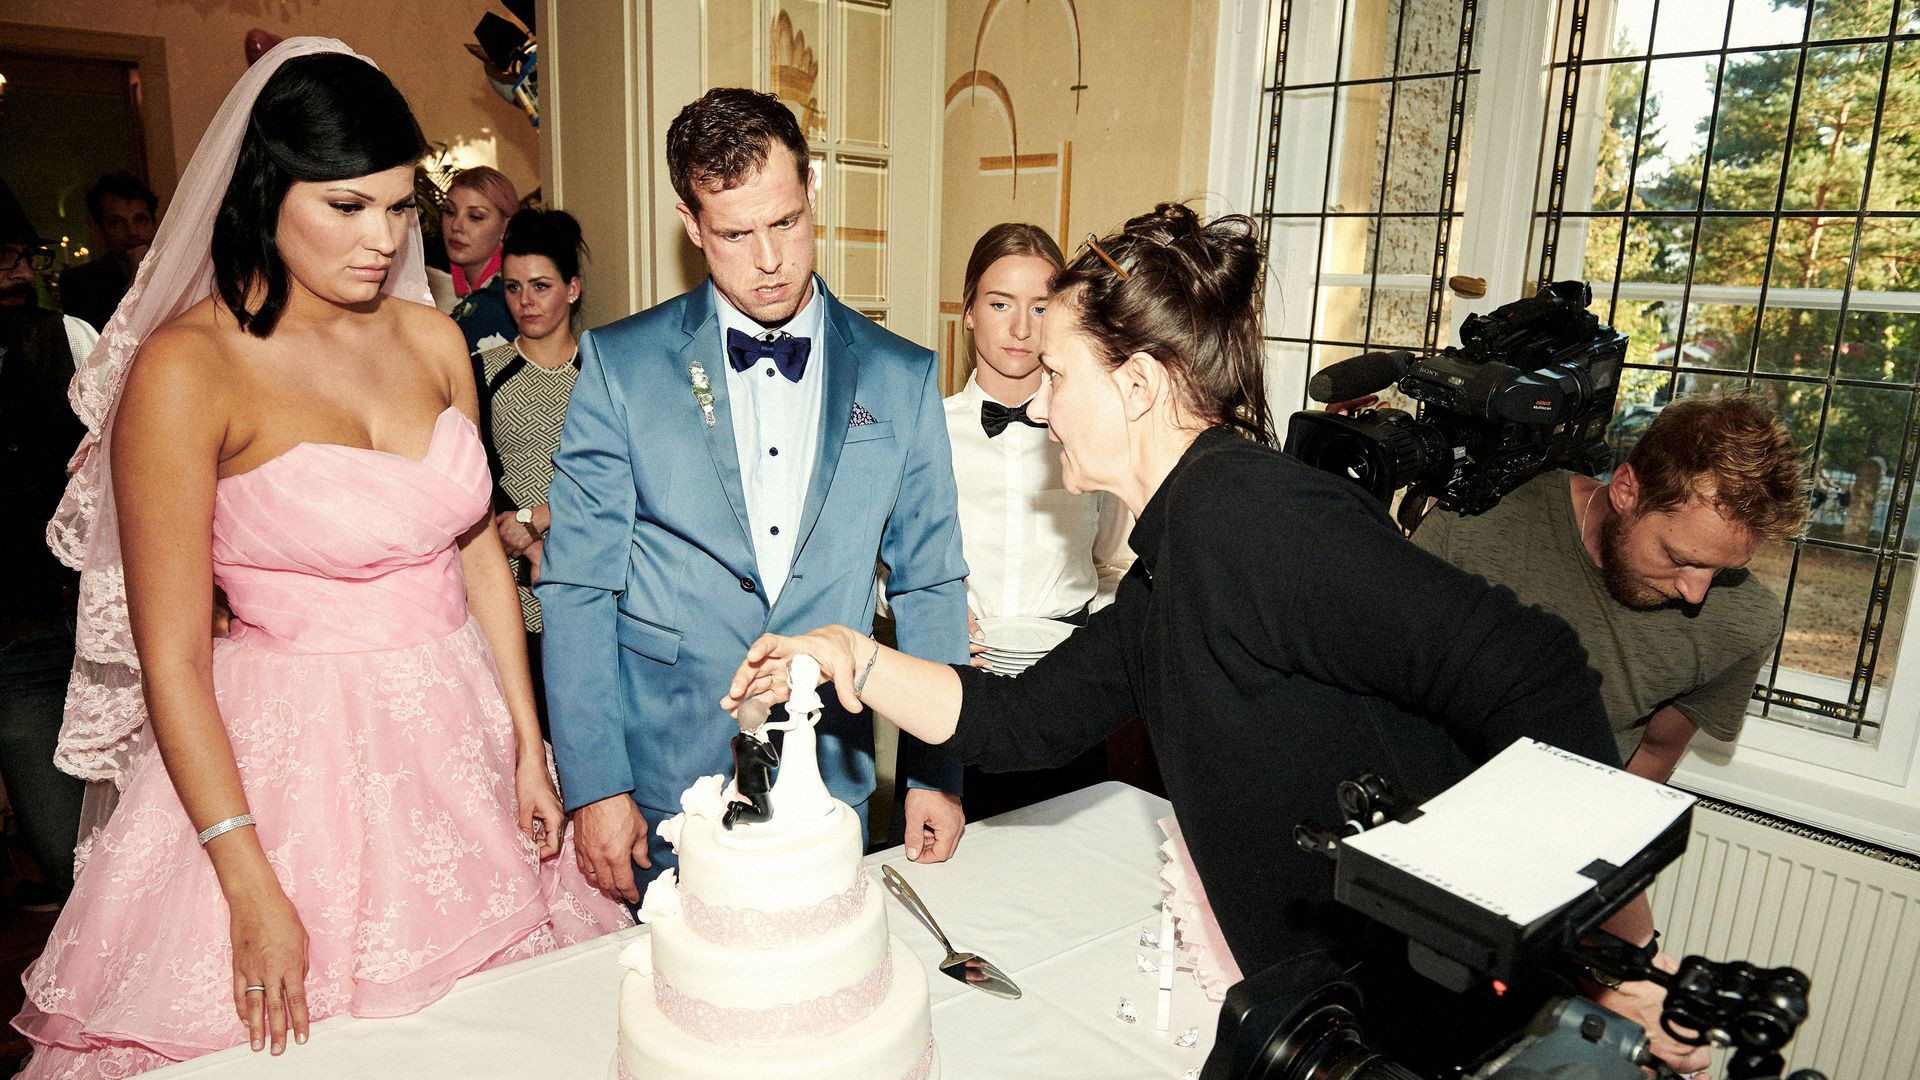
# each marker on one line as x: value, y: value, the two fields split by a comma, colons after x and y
x: 360, y: 753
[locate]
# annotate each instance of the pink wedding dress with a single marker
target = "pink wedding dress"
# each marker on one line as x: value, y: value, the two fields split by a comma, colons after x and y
x: 377, y: 756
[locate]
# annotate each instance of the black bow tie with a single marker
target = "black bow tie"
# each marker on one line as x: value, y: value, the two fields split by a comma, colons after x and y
x: 788, y: 353
x: 995, y: 417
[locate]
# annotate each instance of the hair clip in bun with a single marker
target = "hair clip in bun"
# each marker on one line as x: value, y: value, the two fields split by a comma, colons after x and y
x: 1094, y: 243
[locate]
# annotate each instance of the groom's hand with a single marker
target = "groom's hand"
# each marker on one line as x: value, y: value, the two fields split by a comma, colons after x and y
x: 934, y: 822
x: 609, y: 837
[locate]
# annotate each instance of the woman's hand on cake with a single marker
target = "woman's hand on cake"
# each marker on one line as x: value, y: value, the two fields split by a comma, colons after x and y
x: 764, y: 672
x: 537, y: 807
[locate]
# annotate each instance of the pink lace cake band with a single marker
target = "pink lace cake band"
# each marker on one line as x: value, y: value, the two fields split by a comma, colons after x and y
x: 924, y: 1067
x: 751, y: 927
x: 829, y: 1014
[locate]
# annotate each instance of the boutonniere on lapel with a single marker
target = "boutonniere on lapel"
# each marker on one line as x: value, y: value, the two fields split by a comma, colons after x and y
x: 702, y: 391
x: 861, y: 417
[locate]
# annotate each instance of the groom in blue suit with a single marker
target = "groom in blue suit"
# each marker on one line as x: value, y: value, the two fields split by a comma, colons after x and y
x: 736, y: 461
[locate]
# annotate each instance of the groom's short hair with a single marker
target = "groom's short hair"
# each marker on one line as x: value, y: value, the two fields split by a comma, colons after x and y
x: 721, y: 140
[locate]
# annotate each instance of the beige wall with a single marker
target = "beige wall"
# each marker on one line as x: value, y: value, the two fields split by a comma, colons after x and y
x: 1138, y: 136
x: 416, y: 42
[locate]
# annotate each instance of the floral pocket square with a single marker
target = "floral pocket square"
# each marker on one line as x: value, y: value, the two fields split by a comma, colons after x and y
x: 861, y: 417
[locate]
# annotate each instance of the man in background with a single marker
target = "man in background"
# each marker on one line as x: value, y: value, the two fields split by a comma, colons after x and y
x: 38, y: 350
x: 125, y: 215
x: 1650, y: 567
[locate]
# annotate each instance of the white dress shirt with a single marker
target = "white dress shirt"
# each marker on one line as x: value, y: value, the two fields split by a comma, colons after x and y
x: 1032, y: 548
x: 776, y: 432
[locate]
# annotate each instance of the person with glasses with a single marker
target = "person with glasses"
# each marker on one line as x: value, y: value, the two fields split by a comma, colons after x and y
x: 24, y: 256
x: 39, y: 349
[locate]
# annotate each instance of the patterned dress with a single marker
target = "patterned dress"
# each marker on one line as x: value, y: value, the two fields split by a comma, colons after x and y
x: 524, y: 412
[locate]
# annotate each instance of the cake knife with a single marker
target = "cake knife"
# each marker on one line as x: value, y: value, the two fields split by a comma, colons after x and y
x: 974, y: 970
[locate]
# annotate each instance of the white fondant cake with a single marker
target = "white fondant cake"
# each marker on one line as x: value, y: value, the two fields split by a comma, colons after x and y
x: 769, y: 955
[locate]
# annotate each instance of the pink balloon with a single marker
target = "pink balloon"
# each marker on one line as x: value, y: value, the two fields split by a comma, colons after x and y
x: 258, y: 42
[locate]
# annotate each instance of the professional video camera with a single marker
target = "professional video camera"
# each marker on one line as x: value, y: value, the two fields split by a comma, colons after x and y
x: 1485, y: 905
x: 1530, y: 388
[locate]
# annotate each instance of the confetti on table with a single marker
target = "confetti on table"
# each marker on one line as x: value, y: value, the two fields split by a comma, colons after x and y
x: 1140, y: 960
x: 1125, y: 1013
x: 1149, y: 939
x: 1188, y: 1038
x: 1190, y: 1074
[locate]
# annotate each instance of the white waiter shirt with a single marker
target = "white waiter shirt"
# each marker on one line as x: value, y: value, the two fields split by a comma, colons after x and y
x: 1032, y: 548
x: 776, y: 432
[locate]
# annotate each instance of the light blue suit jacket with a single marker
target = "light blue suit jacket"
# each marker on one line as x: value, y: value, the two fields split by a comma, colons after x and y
x: 649, y: 590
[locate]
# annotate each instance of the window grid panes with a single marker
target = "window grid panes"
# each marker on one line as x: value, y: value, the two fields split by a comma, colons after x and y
x: 1367, y: 103
x: 1739, y: 180
x: 840, y: 52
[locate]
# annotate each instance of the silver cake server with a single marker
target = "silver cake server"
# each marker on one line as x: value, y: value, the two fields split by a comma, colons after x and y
x: 974, y: 970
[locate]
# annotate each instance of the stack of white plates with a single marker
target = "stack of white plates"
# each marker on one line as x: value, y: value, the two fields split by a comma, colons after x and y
x: 1014, y: 643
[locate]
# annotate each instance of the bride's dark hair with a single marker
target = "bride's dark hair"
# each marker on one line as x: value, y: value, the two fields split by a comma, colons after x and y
x: 328, y: 116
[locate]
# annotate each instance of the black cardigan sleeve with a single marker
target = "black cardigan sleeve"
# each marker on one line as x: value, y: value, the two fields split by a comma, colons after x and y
x: 1317, y: 580
x: 1070, y: 700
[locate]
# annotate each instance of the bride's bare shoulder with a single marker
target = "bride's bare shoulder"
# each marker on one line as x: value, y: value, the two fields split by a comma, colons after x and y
x: 431, y: 335
x: 190, y: 353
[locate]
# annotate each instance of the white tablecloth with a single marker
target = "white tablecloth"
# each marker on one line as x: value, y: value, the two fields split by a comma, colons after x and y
x: 1055, y: 894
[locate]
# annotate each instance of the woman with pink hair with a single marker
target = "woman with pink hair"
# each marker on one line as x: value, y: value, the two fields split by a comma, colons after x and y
x: 480, y: 201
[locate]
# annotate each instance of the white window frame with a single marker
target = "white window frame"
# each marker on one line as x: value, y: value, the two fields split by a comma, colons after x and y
x: 1871, y: 792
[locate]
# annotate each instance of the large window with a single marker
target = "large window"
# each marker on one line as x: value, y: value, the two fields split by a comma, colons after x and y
x: 1370, y: 104
x: 1738, y: 181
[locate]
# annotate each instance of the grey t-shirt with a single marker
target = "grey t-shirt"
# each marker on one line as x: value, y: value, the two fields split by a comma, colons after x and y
x: 1701, y: 661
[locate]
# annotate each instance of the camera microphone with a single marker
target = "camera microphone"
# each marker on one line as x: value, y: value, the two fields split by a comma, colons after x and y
x: 1356, y: 377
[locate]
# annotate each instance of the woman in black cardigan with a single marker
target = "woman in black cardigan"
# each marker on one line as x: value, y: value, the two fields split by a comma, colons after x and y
x: 1278, y: 633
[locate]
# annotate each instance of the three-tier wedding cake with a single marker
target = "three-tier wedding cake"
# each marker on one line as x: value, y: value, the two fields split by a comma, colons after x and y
x: 769, y: 953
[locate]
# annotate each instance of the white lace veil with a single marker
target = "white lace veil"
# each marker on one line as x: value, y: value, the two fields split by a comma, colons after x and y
x: 106, y: 715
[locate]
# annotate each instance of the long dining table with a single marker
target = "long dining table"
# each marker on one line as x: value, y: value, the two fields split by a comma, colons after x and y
x: 1056, y: 894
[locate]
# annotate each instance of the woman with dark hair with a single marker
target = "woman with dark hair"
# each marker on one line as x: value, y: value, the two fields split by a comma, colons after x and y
x: 342, y: 806
x: 1040, y: 558
x: 480, y: 201
x: 1277, y: 632
x: 524, y: 388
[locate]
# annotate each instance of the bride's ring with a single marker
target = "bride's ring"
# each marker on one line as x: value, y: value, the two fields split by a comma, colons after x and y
x: 256, y: 986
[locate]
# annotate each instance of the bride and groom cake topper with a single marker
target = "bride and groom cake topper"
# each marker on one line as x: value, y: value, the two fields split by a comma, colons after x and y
x: 801, y: 793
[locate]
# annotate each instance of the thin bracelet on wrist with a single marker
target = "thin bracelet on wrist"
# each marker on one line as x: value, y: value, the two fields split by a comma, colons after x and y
x: 220, y: 828
x: 860, y: 683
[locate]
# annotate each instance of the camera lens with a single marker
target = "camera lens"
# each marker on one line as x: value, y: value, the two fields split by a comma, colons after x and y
x: 1325, y: 1042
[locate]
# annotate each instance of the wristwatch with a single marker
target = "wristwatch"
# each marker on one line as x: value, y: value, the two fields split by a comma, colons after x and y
x: 524, y: 516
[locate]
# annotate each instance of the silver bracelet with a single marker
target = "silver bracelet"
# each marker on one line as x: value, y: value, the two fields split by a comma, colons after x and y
x: 860, y: 683
x: 220, y: 827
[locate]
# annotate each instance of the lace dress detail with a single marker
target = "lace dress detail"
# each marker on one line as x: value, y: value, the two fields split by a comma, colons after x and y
x: 377, y: 756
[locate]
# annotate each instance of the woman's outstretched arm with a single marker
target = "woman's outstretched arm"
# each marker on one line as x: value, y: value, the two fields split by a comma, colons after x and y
x: 920, y: 696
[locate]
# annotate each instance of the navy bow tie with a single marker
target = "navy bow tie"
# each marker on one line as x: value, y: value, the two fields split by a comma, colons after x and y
x: 789, y: 353
x: 995, y: 417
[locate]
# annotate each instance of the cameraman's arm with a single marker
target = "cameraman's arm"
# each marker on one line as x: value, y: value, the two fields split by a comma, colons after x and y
x: 1642, y: 1002
x: 1662, y: 744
